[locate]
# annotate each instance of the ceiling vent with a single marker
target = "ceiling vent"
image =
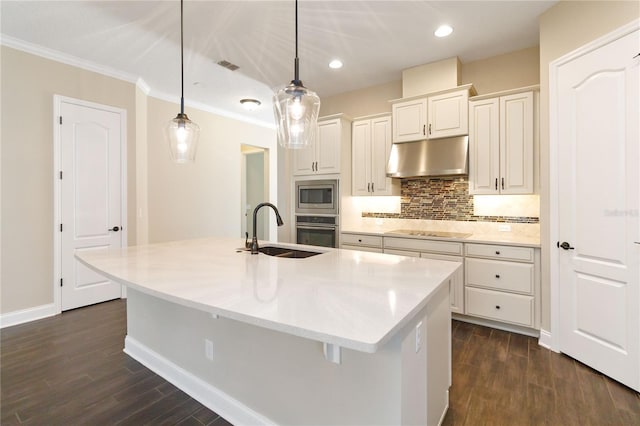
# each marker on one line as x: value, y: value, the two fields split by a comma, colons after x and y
x: 228, y: 65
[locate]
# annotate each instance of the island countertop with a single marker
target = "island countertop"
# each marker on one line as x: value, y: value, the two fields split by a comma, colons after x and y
x: 352, y: 299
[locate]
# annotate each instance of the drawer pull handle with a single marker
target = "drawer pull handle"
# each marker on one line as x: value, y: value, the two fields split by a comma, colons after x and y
x: 498, y: 252
x: 497, y: 275
x: 498, y: 307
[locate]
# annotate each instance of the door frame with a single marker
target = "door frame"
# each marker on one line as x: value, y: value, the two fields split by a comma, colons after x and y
x: 554, y: 140
x: 57, y: 186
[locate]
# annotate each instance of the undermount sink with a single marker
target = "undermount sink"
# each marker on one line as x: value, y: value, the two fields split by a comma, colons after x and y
x: 286, y: 252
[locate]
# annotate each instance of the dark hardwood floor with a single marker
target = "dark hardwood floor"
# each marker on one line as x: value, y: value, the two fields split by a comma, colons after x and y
x: 70, y: 370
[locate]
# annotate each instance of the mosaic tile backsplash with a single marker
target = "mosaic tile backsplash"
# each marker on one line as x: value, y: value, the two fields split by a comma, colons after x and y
x: 442, y: 198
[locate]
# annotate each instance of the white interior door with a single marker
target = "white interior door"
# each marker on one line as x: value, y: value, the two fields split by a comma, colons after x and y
x: 92, y: 217
x: 598, y: 208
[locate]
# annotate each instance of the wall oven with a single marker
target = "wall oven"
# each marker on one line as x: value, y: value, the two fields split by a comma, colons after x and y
x: 317, y: 196
x: 317, y: 230
x: 316, y: 212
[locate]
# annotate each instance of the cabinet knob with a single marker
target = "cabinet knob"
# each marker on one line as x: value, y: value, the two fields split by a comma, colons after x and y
x: 359, y: 241
x: 498, y: 252
x: 498, y: 307
x: 497, y: 275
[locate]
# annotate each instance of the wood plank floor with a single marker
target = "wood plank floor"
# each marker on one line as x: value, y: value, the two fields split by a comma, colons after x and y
x: 70, y: 370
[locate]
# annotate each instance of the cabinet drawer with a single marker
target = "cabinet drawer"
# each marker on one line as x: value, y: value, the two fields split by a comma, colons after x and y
x: 402, y: 252
x: 523, y: 254
x: 510, y: 276
x: 446, y: 247
x: 361, y: 240
x: 362, y: 248
x: 495, y: 305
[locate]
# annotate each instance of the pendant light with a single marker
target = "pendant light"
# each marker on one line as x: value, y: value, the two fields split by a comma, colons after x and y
x: 182, y: 133
x: 296, y: 109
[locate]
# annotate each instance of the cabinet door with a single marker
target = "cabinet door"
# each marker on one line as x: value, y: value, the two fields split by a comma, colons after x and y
x: 484, y: 146
x: 304, y: 160
x: 409, y: 120
x: 380, y: 151
x: 328, y: 147
x: 516, y: 143
x: 448, y: 114
x: 361, y: 158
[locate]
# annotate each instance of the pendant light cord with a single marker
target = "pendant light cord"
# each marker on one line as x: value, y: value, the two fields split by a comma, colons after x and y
x: 181, y: 60
x: 296, y: 70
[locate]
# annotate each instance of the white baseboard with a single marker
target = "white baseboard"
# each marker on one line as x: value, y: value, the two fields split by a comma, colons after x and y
x: 545, y: 339
x: 496, y: 324
x: 205, y: 393
x: 27, y: 315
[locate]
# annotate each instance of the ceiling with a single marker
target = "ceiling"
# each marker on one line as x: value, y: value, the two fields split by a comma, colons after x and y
x: 376, y: 40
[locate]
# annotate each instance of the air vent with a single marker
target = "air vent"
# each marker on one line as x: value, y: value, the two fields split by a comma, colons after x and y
x: 228, y: 65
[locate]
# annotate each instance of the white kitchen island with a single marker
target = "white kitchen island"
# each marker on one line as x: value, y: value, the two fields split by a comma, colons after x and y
x: 344, y: 337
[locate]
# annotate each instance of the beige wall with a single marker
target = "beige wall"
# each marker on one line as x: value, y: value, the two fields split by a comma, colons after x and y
x: 28, y: 85
x: 564, y: 28
x: 367, y: 101
x: 201, y: 199
x: 509, y: 71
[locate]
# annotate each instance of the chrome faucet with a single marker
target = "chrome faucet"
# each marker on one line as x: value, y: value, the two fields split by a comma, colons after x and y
x: 254, y: 240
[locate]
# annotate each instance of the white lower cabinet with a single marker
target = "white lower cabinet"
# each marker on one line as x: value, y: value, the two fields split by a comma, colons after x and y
x: 502, y: 283
x: 362, y: 242
x: 433, y: 249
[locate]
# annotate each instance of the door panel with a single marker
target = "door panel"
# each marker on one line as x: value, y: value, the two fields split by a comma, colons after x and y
x: 90, y: 199
x: 599, y: 185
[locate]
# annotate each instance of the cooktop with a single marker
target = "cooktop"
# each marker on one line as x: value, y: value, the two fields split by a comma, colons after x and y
x: 427, y: 233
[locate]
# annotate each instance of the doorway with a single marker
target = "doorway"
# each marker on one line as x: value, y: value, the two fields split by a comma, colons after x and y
x: 90, y: 197
x: 255, y: 190
x: 595, y: 225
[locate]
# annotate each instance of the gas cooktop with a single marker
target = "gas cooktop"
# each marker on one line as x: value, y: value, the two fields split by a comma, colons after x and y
x: 427, y: 233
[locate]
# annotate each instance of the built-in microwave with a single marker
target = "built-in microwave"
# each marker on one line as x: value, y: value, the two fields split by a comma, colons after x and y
x: 317, y: 196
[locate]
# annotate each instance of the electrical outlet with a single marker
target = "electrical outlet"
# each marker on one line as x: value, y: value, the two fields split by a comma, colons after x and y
x: 208, y: 349
x: 504, y: 228
x: 418, y: 336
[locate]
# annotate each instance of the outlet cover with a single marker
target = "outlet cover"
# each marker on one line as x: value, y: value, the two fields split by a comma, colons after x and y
x: 208, y: 349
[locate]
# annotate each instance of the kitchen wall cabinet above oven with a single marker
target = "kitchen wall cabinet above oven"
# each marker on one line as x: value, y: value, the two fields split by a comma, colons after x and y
x: 502, y: 133
x: 371, y: 146
x: 436, y: 115
x: 324, y: 156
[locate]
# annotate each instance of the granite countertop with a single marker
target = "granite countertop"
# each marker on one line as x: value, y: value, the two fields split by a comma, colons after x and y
x: 353, y: 299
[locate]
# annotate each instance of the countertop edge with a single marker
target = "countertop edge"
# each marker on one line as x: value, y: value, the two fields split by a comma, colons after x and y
x: 480, y: 239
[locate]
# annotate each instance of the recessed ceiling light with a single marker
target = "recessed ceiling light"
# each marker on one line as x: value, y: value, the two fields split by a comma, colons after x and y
x: 250, y: 104
x: 443, y: 31
x: 335, y: 64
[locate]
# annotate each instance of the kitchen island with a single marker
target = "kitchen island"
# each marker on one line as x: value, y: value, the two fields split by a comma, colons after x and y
x: 343, y: 337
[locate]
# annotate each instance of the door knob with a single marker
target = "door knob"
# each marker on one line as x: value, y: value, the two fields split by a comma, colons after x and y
x: 115, y: 229
x: 564, y: 245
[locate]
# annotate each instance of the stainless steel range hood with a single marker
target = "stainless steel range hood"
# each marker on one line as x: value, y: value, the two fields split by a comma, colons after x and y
x: 433, y: 157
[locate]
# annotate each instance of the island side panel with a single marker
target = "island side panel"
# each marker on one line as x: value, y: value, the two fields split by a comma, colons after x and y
x: 284, y: 379
x: 426, y: 368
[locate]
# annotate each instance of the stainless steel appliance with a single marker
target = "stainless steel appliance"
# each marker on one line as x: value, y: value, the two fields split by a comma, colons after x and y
x: 316, y: 212
x: 432, y: 157
x: 317, y: 196
x: 317, y: 230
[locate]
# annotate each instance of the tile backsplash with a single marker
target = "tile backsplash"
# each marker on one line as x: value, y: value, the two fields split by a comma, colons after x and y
x: 445, y: 198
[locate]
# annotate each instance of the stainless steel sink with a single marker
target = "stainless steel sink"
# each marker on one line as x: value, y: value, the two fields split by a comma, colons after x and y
x: 286, y: 252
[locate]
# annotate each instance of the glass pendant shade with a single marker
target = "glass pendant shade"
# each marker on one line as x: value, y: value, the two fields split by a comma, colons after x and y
x: 296, y: 110
x: 182, y: 135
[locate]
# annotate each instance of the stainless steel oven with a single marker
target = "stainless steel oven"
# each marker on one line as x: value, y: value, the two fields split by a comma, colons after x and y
x: 317, y: 230
x: 317, y: 197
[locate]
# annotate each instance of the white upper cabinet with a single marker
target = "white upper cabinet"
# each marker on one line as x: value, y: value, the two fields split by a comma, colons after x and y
x: 501, y: 144
x: 323, y: 157
x: 447, y: 114
x: 371, y: 145
x: 437, y: 115
x: 409, y: 120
